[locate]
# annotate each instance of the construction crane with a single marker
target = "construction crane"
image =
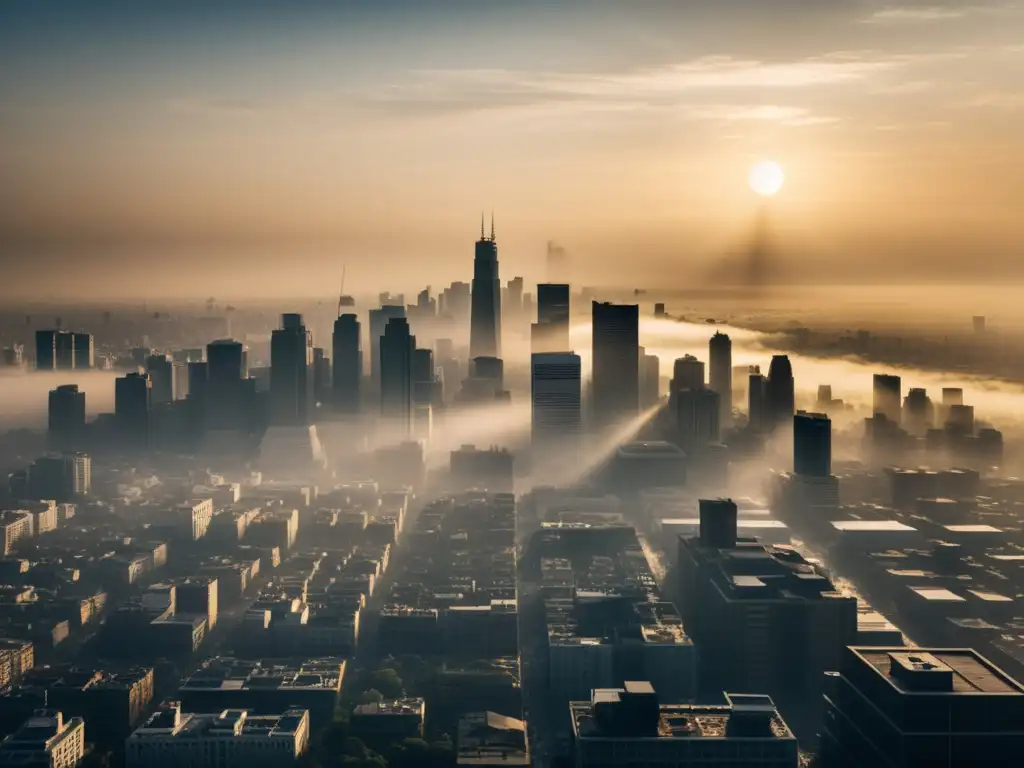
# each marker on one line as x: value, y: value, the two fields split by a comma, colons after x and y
x: 343, y: 300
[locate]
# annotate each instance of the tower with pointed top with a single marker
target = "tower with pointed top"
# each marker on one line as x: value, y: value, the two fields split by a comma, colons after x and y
x: 485, y: 305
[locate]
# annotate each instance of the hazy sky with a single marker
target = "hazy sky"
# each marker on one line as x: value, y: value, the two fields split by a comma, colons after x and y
x: 162, y: 146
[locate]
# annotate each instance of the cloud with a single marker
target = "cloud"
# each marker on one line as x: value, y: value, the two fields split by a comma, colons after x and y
x: 669, y: 87
x: 926, y: 14
x: 1007, y: 100
x: 915, y: 14
x: 793, y: 116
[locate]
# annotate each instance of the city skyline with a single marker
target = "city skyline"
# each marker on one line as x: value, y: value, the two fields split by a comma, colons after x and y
x: 370, y: 134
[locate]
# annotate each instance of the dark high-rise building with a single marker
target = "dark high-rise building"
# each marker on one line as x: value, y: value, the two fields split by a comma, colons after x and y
x: 781, y: 391
x: 396, y: 356
x: 485, y: 316
x: 66, y: 416
x: 85, y: 351
x: 162, y: 374
x: 515, y: 296
x: 132, y: 409
x: 615, y: 385
x: 650, y: 380
x: 46, y: 350
x: 687, y: 373
x: 291, y: 374
x: 226, y: 368
x: 696, y: 414
x: 887, y: 396
x: 423, y: 365
x: 918, y: 411
x: 64, y: 351
x: 812, y: 444
x: 321, y: 376
x: 551, y: 332
x: 555, y: 399
x: 720, y: 374
x: 378, y: 322
x: 757, y: 403
x: 347, y: 378
x: 62, y: 478
x: 490, y: 368
x: 921, y: 708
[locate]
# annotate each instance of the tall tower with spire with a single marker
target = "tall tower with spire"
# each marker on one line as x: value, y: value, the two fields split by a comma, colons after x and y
x: 485, y: 307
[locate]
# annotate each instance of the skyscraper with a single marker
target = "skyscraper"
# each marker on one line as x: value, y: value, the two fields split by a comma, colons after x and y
x: 378, y: 322
x: 650, y: 380
x: 64, y: 350
x: 321, y: 376
x: 485, y: 316
x: 46, y: 350
x: 162, y: 375
x: 396, y: 355
x: 85, y: 351
x: 66, y: 416
x: 687, y: 373
x: 696, y: 412
x: 757, y: 405
x: 347, y: 378
x: 132, y: 408
x: 720, y: 381
x: 226, y: 368
x: 812, y: 444
x: 291, y: 375
x: 615, y: 385
x: 556, y: 402
x: 887, y: 396
x: 551, y: 331
x: 781, y: 392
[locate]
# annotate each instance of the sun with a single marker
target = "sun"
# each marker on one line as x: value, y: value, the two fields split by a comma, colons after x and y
x: 766, y: 178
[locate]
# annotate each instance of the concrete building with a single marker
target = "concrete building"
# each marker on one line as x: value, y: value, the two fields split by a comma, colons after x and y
x: 198, y: 595
x: 921, y: 708
x: 15, y: 525
x: 556, y: 403
x: 193, y: 517
x: 232, y: 738
x: 380, y: 724
x: 66, y: 423
x: 46, y: 739
x: 720, y: 374
x: 763, y: 617
x: 491, y: 740
x: 291, y: 374
x: 265, y: 688
x: 812, y: 444
x: 485, y: 311
x: 615, y: 381
x: 628, y: 727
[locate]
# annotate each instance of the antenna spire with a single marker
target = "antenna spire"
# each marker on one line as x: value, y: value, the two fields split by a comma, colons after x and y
x: 492, y: 226
x: 341, y: 293
x: 481, y: 225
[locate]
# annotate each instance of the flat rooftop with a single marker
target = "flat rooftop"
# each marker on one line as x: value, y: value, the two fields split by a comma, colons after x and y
x: 972, y: 673
x: 871, y: 526
x: 676, y: 721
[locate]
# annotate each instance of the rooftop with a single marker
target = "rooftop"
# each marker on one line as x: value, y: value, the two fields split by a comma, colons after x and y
x: 970, y: 672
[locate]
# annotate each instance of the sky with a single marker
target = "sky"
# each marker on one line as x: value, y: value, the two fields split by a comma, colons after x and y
x: 156, y: 149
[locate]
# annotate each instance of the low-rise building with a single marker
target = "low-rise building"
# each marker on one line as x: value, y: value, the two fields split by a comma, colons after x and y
x: 46, y: 739
x: 921, y: 708
x: 232, y: 738
x: 490, y: 740
x: 388, y: 722
x: 628, y: 727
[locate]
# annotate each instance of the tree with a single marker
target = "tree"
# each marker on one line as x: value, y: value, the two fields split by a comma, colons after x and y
x: 387, y: 682
x: 372, y: 696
